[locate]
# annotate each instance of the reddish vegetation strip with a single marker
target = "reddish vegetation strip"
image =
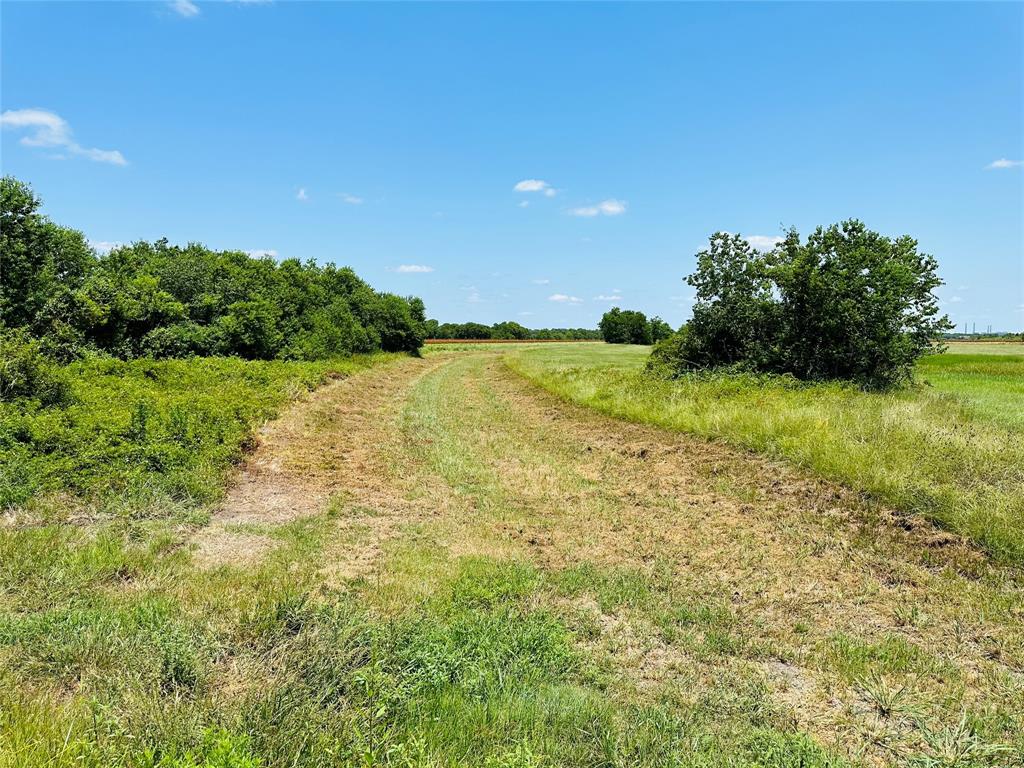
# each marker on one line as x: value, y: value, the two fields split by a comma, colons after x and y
x: 509, y: 341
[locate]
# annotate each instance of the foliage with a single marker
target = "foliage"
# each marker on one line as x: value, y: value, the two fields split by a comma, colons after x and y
x: 505, y: 330
x: 627, y: 327
x: 26, y: 373
x: 846, y: 304
x: 158, y: 300
x: 153, y: 429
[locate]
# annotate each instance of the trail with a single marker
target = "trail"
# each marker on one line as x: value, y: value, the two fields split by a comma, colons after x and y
x: 455, y: 453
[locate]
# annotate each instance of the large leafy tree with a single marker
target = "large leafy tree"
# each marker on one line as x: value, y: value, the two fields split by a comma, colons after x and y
x: 625, y: 327
x: 38, y: 259
x: 848, y: 304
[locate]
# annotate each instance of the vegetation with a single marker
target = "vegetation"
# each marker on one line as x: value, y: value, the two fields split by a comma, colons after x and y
x: 949, y: 450
x: 157, y: 300
x: 115, y: 433
x: 632, y: 327
x: 479, y: 592
x: 847, y: 304
x: 508, y: 330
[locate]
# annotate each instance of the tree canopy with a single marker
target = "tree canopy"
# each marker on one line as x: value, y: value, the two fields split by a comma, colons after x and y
x: 847, y: 303
x: 627, y: 326
x: 161, y: 300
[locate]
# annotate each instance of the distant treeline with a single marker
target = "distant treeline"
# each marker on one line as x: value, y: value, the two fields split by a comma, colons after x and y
x: 159, y: 300
x: 506, y: 330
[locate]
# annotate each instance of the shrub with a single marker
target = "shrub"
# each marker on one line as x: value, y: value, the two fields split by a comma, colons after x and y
x: 848, y: 304
x: 26, y: 373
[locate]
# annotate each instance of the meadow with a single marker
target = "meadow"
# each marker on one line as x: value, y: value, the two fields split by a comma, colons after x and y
x: 433, y: 562
x: 948, y: 448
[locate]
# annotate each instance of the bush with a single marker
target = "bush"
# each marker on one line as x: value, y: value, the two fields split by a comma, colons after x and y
x: 26, y: 373
x: 849, y: 304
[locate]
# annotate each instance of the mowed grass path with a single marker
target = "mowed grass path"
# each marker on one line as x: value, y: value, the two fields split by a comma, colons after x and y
x: 506, y: 580
x: 950, y: 449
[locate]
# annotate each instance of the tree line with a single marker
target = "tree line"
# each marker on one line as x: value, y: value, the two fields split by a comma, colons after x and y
x: 508, y: 330
x: 160, y: 300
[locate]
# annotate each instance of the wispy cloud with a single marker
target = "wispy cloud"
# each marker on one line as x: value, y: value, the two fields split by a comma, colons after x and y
x: 413, y: 268
x: 763, y: 242
x: 260, y: 253
x: 302, y: 195
x: 473, y: 297
x: 350, y: 199
x: 524, y: 203
x: 48, y: 129
x: 184, y: 8
x: 611, y: 297
x: 524, y: 313
x: 1003, y: 163
x: 104, y: 246
x: 535, y: 185
x: 540, y: 281
x: 564, y: 299
x: 604, y: 208
x: 954, y: 300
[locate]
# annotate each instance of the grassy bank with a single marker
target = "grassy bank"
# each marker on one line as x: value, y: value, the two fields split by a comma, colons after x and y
x: 950, y: 449
x: 144, y: 431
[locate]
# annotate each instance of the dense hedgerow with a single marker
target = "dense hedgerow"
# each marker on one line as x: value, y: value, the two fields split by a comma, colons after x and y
x: 847, y: 304
x: 159, y: 300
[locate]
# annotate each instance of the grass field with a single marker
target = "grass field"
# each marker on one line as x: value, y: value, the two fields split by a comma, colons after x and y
x: 950, y: 449
x: 435, y: 563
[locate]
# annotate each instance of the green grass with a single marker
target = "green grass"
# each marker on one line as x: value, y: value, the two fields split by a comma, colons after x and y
x: 117, y: 650
x: 163, y: 430
x: 950, y: 448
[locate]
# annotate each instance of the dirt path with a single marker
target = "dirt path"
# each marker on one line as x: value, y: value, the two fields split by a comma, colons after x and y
x: 872, y: 637
x: 325, y: 445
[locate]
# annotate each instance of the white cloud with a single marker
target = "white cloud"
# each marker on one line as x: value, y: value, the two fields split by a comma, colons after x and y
x: 184, y: 8
x: 613, y: 297
x: 260, y: 253
x: 763, y: 242
x: 351, y: 199
x: 564, y: 299
x: 954, y: 300
x: 104, y: 246
x: 524, y: 203
x: 604, y: 208
x: 301, y: 195
x: 540, y: 281
x: 413, y: 268
x: 48, y: 129
x: 474, y: 297
x: 535, y: 185
x: 1003, y: 163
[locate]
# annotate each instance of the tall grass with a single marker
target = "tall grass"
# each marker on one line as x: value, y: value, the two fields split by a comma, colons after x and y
x: 950, y: 449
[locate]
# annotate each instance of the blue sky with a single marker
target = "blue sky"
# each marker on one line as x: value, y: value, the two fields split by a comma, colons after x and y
x: 392, y: 138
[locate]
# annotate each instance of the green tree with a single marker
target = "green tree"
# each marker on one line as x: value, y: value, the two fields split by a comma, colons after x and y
x: 38, y: 258
x: 625, y: 327
x: 848, y: 304
x: 509, y: 330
